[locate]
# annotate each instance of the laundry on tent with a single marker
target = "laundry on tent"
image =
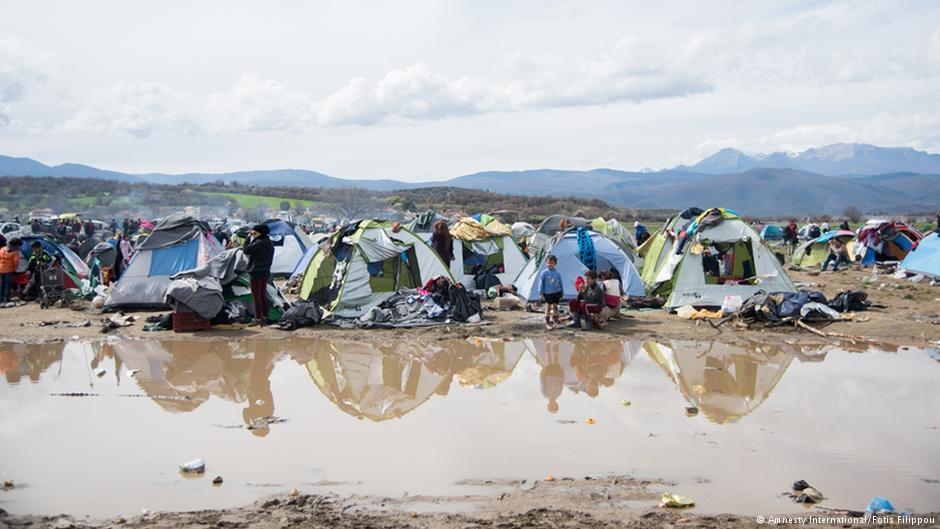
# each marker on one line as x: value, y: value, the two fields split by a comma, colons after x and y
x: 364, y: 263
x: 572, y: 262
x: 698, y: 261
x: 882, y: 241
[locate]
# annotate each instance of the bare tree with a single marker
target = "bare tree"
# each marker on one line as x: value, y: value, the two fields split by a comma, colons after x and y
x: 852, y: 213
x: 349, y: 203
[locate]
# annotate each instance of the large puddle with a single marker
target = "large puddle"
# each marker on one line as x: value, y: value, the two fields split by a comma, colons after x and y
x: 396, y: 418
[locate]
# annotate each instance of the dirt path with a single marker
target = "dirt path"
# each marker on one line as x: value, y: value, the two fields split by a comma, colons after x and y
x: 912, y: 317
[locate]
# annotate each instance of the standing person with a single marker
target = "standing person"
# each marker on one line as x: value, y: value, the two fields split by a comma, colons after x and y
x: 127, y: 250
x: 790, y: 234
x: 260, y: 252
x: 550, y: 290
x: 838, y: 255
x: 9, y: 261
x: 35, y: 226
x: 640, y: 233
x: 39, y: 259
x: 443, y: 242
x: 845, y: 225
x: 590, y: 301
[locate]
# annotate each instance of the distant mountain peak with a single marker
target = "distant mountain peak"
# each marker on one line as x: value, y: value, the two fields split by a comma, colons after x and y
x: 835, y: 159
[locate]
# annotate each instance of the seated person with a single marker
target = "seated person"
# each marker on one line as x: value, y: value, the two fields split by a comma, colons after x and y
x: 590, y: 301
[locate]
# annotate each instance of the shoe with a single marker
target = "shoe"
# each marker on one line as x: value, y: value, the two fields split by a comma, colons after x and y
x: 575, y: 324
x: 255, y: 323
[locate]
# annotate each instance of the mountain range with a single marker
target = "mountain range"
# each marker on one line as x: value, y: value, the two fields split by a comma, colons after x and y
x: 819, y: 180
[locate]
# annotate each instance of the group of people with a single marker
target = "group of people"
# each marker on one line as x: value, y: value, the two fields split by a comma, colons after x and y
x: 589, y: 307
x: 10, y: 256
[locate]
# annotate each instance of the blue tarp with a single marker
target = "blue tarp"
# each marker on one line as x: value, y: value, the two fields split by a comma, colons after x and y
x: 172, y: 259
x: 279, y: 228
x: 925, y: 259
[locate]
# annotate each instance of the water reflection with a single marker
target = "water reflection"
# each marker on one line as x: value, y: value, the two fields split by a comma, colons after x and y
x: 582, y: 367
x: 386, y: 381
x: 381, y: 381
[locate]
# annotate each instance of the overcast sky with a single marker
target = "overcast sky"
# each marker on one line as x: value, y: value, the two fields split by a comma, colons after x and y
x: 417, y: 90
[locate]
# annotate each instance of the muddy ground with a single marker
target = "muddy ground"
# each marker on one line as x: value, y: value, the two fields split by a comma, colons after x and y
x: 587, y: 502
x: 911, y: 317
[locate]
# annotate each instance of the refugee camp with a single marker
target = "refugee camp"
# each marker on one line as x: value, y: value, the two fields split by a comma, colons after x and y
x: 439, y: 266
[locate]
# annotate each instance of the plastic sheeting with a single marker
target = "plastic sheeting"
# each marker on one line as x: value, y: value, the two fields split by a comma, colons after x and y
x: 925, y: 259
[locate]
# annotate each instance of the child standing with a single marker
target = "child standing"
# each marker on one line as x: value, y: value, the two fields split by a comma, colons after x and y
x: 550, y: 290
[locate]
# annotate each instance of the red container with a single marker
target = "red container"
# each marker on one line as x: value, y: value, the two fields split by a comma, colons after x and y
x: 189, y: 321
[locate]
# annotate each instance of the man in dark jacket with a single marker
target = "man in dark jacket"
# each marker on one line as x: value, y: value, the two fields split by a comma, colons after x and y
x: 590, y: 301
x: 260, y: 252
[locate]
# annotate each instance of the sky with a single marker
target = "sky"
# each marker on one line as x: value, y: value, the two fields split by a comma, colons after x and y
x: 426, y: 90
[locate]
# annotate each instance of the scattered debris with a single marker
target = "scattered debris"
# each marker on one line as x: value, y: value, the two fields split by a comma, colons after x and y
x: 196, y: 466
x: 8, y: 484
x: 58, y: 324
x: 100, y: 373
x: 132, y: 372
x: 691, y: 411
x: 675, y: 501
x: 590, y: 420
x: 549, y: 478
x: 879, y: 505
x: 293, y: 493
x: 803, y: 492
x: 217, y: 480
x: 626, y: 403
x: 117, y: 321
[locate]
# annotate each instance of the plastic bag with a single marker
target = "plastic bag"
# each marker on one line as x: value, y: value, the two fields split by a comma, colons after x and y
x: 731, y: 304
x: 685, y: 311
x: 676, y: 501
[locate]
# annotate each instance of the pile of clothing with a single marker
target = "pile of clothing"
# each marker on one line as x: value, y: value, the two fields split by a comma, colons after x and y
x: 804, y: 305
x: 439, y: 302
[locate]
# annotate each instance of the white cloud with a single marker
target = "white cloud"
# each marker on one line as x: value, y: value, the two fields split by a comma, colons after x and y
x: 913, y: 129
x: 22, y: 66
x: 140, y: 109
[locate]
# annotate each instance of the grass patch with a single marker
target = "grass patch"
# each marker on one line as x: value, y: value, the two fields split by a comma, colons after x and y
x: 253, y: 201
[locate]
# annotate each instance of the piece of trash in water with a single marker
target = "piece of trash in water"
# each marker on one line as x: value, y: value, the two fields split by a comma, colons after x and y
x: 196, y: 466
x: 651, y: 434
x: 217, y: 480
x: 293, y: 493
x: 414, y: 514
x: 800, y: 485
x: 625, y: 403
x: 691, y: 411
x: 100, y: 372
x: 809, y: 495
x: 590, y: 420
x: 132, y: 372
x: 549, y: 478
x: 119, y: 520
x: 879, y: 505
x: 8, y: 484
x: 145, y: 512
x: 675, y: 501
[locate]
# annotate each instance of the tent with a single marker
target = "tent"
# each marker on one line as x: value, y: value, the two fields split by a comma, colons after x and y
x: 656, y: 249
x: 881, y: 241
x: 364, y: 263
x: 925, y: 257
x: 489, y: 246
x: 78, y: 276
x: 811, y: 254
x: 177, y: 243
x: 715, y: 255
x: 805, y: 233
x: 772, y: 233
x: 290, y: 245
x: 315, y: 241
x: 606, y: 255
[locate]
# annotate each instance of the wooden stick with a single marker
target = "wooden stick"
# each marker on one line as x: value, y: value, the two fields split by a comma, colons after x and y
x: 799, y: 323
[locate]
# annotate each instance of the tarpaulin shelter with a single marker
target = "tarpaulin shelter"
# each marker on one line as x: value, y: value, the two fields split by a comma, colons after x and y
x: 290, y: 245
x: 811, y: 254
x: 177, y: 243
x: 882, y: 241
x: 924, y: 258
x: 571, y: 265
x: 771, y: 232
x: 715, y: 255
x: 365, y: 263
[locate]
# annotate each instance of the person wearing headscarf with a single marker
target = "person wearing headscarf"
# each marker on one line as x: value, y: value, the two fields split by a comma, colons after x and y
x: 260, y: 252
x: 443, y: 242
